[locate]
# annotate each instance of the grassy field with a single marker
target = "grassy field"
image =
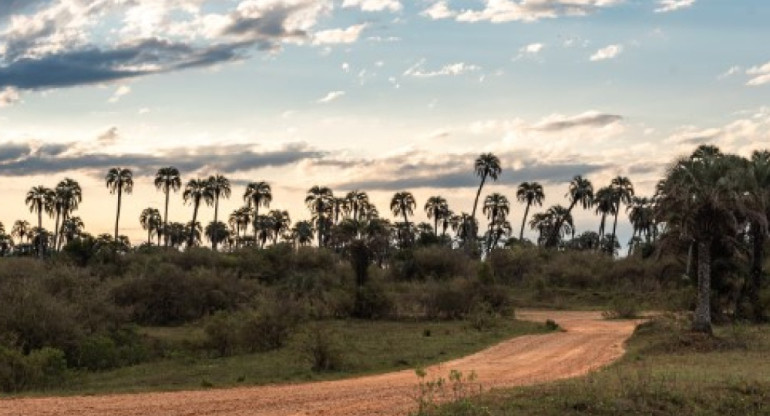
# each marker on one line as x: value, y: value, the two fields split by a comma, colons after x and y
x: 364, y: 347
x: 667, y: 371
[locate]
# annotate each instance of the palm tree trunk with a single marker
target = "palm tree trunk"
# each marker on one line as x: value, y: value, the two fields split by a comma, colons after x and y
x: 702, y: 318
x: 630, y: 243
x: 165, y: 218
x: 56, y: 229
x: 552, y: 239
x: 524, y: 221
x: 117, y: 216
x: 254, y: 224
x: 601, y: 226
x: 216, y: 229
x: 39, y: 230
x: 149, y: 235
x: 476, y: 203
x: 435, y: 224
x: 159, y: 234
x: 688, y: 269
x: 320, y: 229
x: 614, y: 228
x: 192, y: 224
x: 756, y: 272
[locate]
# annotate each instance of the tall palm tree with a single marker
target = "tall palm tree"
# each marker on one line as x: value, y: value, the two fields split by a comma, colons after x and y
x: 530, y: 193
x: 68, y: 195
x: 38, y: 198
x: 194, y: 232
x: 446, y: 219
x: 119, y: 180
x: 623, y: 191
x: 264, y: 229
x: 496, y: 208
x: 436, y: 207
x: 167, y: 179
x: 604, y: 201
x: 759, y: 186
x: 151, y: 221
x: 239, y: 220
x: 581, y: 191
x: 403, y: 204
x: 486, y: 166
x: 257, y: 194
x: 195, y: 191
x: 280, y: 222
x: 357, y: 203
x: 71, y: 228
x: 21, y: 229
x: 216, y: 232
x: 319, y: 201
x: 340, y: 207
x: 701, y: 196
x: 219, y: 186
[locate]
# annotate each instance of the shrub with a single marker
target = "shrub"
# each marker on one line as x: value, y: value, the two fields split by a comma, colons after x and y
x: 372, y: 301
x: 482, y: 317
x: 222, y: 333
x: 269, y: 327
x: 322, y: 350
x: 622, y: 308
x: 42, y: 368
x: 98, y: 352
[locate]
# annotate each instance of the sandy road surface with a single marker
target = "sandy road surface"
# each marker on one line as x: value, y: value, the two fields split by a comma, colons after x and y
x: 588, y: 343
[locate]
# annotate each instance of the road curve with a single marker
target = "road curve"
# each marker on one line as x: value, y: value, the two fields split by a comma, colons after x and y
x: 588, y: 343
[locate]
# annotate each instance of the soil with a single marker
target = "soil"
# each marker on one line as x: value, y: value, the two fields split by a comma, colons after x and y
x: 588, y: 342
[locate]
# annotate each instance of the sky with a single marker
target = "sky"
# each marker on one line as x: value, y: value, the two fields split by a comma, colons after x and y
x: 377, y: 95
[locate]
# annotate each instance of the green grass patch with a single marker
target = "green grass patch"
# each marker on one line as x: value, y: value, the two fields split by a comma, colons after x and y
x: 667, y: 370
x: 365, y: 347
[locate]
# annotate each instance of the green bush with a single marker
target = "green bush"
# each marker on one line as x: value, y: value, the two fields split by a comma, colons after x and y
x: 322, y: 350
x: 270, y: 326
x: 42, y: 368
x: 622, y: 308
x: 372, y: 301
x: 222, y: 333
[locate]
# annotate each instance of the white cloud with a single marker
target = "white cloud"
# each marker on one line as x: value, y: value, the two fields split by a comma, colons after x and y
x: 331, y: 96
x: 9, y: 96
x: 499, y: 11
x: 119, y: 93
x: 345, y: 67
x: 665, y: 6
x: 454, y: 69
x: 730, y: 72
x: 532, y: 48
x: 760, y: 75
x: 334, y: 36
x: 374, y: 5
x: 608, y: 52
x: 439, y: 10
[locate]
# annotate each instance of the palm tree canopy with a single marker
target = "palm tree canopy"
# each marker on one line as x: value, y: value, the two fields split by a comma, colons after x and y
x: 198, y: 190
x: 120, y: 179
x: 531, y: 193
x: 258, y: 194
x: 581, y: 191
x: 403, y: 203
x: 167, y: 179
x: 496, y: 206
x: 487, y: 165
x: 220, y: 186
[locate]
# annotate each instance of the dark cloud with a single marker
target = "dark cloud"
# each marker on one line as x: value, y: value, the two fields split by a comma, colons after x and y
x: 543, y: 173
x: 267, y: 29
x: 95, y: 65
x: 11, y: 7
x: 21, y: 160
x: 583, y: 120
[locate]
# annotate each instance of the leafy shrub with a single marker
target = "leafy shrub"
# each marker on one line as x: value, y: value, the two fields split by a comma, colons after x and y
x: 321, y: 348
x: 482, y: 317
x: 222, y: 333
x: 622, y: 308
x: 42, y: 368
x: 372, y: 301
x: 551, y: 325
x: 270, y: 327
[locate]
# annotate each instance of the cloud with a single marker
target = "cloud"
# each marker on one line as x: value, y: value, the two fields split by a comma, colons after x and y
x: 499, y: 11
x: 11, y: 7
x: 374, y: 5
x: 331, y: 96
x: 665, y: 6
x: 730, y: 72
x: 27, y: 159
x: 109, y: 137
x: 532, y: 48
x: 558, y: 122
x: 9, y: 96
x: 608, y: 52
x: 336, y: 36
x: 454, y: 69
x: 119, y: 93
x: 760, y: 75
x: 439, y: 10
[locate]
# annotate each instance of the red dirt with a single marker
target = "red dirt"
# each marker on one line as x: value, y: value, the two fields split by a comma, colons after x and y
x: 588, y: 343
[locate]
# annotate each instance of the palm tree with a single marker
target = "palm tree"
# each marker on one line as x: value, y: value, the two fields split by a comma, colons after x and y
x: 264, y: 229
x: 446, y: 219
x: 357, y: 202
x: 623, y: 191
x: 700, y: 196
x: 436, y: 207
x: 280, y: 222
x: 194, y: 231
x: 167, y: 179
x: 486, y: 165
x: 177, y: 234
x: 38, y: 198
x: 20, y: 230
x: 302, y: 232
x: 319, y: 201
x: 580, y: 191
x: 195, y: 191
x: 257, y: 194
x: 239, y: 220
x: 68, y: 196
x: 217, y: 232
x: 119, y: 180
x: 71, y: 228
x: 219, y: 186
x: 496, y: 208
x: 529, y: 193
x: 604, y: 201
x: 151, y: 221
x: 340, y: 206
x: 403, y: 204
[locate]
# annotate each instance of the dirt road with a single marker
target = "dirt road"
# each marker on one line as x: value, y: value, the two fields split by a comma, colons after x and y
x: 588, y: 343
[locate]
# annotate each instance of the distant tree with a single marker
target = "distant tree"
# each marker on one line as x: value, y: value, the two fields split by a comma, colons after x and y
x: 604, y: 203
x: 623, y: 191
x: 167, y: 179
x: 219, y: 186
x: 119, y: 180
x: 281, y: 222
x: 67, y: 197
x: 530, y: 193
x: 357, y: 202
x: 436, y: 207
x: 486, y: 166
x: 217, y: 232
x: 257, y: 194
x: 195, y: 192
x: 152, y: 222
x: 21, y: 229
x: 319, y: 201
x: 38, y: 198
x: 581, y: 191
x: 302, y: 233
